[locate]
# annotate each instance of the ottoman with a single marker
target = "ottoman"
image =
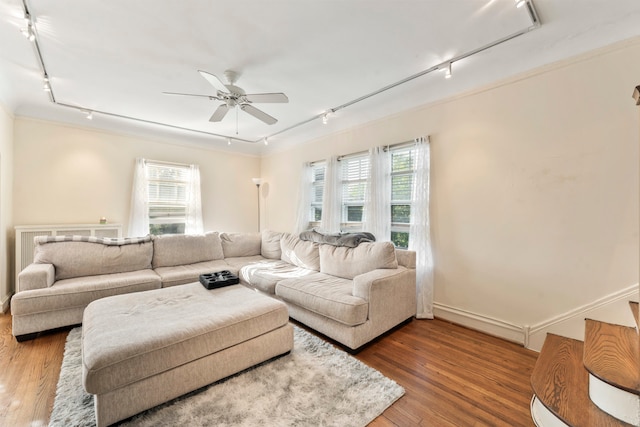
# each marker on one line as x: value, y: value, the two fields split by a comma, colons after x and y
x: 143, y: 349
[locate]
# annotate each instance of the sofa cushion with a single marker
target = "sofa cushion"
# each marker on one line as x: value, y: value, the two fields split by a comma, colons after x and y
x: 240, y: 244
x: 179, y: 249
x: 80, y: 291
x: 271, y: 244
x: 350, y: 262
x: 325, y: 295
x: 236, y: 263
x: 301, y: 253
x: 264, y: 275
x: 77, y: 259
x: 181, y: 274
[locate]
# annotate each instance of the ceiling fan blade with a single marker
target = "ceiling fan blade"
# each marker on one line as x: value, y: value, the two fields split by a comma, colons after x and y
x: 266, y: 97
x: 220, y: 112
x: 190, y: 94
x: 214, y: 81
x: 258, y: 114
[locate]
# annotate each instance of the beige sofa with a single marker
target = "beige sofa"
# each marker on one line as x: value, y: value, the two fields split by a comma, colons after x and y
x: 351, y: 295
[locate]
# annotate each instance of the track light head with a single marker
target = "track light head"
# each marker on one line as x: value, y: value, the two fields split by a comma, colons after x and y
x: 520, y: 3
x: 446, y: 67
x: 324, y: 119
x: 28, y: 32
x: 266, y: 141
x: 228, y: 141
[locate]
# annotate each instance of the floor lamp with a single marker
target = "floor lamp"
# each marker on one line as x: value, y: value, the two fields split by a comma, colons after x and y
x: 257, y: 182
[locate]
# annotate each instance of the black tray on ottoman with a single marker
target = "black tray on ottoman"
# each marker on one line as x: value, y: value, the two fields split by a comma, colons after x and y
x: 218, y: 279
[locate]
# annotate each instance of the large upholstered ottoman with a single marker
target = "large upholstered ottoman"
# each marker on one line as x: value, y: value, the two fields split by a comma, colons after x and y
x: 140, y: 350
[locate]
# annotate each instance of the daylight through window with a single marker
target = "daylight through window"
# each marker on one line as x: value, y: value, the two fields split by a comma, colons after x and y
x: 167, y: 193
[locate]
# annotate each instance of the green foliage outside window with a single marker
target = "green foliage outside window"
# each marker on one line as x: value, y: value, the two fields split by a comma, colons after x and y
x: 158, y: 229
x: 400, y: 239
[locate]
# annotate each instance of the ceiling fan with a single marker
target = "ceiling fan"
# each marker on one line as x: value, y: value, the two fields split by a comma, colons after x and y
x: 233, y: 96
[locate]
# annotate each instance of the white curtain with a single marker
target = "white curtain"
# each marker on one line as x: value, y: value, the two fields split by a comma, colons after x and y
x: 304, y: 198
x: 139, y: 213
x: 377, y: 204
x: 332, y: 201
x: 193, y: 223
x: 419, y: 232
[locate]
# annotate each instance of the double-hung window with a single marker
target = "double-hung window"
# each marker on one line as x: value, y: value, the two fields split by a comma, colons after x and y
x: 319, y: 170
x: 355, y: 172
x: 402, y: 177
x: 167, y: 197
x: 355, y: 177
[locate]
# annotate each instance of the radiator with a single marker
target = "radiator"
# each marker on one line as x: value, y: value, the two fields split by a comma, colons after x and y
x: 25, y: 235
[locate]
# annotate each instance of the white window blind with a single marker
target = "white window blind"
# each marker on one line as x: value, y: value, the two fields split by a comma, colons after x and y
x: 402, y: 176
x: 355, y: 174
x: 317, y: 191
x: 167, y: 197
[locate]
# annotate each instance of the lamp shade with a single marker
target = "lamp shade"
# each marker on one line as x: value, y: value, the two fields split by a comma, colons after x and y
x: 257, y: 181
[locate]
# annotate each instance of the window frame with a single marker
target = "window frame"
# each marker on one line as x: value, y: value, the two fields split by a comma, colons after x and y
x: 177, y: 204
x: 315, y: 203
x: 402, y: 227
x: 352, y: 174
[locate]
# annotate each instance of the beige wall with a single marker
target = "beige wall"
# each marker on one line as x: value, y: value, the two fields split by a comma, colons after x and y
x: 65, y: 174
x: 6, y: 229
x: 534, y: 186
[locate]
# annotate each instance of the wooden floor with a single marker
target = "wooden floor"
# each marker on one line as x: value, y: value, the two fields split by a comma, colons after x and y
x: 452, y: 376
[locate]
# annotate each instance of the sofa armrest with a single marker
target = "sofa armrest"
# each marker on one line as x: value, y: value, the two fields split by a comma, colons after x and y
x: 36, y: 276
x: 364, y: 284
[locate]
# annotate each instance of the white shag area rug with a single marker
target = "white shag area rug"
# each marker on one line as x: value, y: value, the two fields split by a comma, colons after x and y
x: 315, y: 385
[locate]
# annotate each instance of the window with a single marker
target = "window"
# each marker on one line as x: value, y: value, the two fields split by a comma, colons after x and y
x: 355, y: 174
x: 402, y: 176
x: 167, y: 198
x: 317, y: 192
x: 355, y: 177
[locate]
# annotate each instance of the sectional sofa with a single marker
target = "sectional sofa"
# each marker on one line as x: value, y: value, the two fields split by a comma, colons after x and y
x: 350, y: 294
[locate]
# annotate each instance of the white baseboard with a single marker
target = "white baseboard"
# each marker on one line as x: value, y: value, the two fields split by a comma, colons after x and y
x: 479, y: 322
x: 5, y: 304
x: 613, y: 308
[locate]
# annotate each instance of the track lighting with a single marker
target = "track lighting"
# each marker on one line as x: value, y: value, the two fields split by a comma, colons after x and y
x: 46, y: 86
x: 325, y: 119
x: 446, y: 67
x: 520, y: 3
x: 28, y: 32
x: 90, y: 115
x: 266, y: 141
x: 228, y: 141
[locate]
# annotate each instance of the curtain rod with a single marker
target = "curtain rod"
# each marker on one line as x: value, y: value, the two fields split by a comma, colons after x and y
x: 385, y: 147
x: 167, y: 163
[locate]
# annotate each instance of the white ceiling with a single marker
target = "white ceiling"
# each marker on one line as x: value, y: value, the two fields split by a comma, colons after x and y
x: 118, y: 56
